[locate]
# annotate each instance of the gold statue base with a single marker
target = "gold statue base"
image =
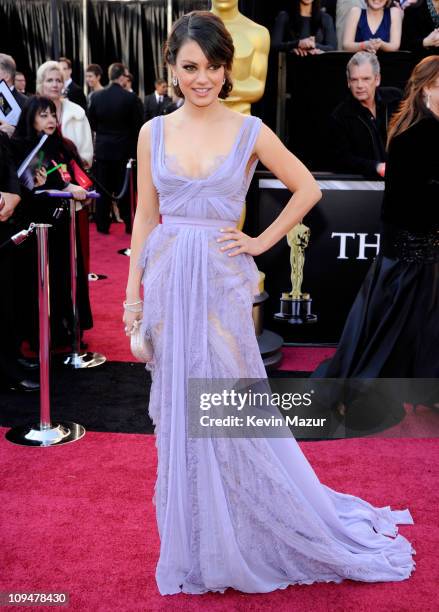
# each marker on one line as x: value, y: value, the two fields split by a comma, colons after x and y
x: 296, y: 310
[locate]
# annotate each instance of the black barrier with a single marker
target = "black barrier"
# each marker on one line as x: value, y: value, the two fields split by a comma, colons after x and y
x: 344, y: 241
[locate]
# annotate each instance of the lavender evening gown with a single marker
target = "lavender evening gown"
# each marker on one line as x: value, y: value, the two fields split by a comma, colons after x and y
x: 247, y: 513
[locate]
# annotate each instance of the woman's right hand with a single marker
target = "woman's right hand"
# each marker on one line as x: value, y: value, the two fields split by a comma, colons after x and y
x: 40, y: 177
x: 129, y: 318
x: 432, y: 40
x: 78, y: 192
x: 307, y: 43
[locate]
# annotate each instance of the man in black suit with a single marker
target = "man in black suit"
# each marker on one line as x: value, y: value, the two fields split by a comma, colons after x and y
x: 116, y: 117
x: 157, y: 102
x: 72, y: 91
x: 7, y: 74
x: 358, y: 125
x: 20, y: 82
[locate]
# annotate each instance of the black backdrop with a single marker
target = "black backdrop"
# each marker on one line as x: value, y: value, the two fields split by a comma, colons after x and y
x: 132, y: 32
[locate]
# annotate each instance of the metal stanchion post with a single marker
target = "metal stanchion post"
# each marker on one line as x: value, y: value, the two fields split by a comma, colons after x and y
x: 129, y: 167
x: 44, y: 434
x: 76, y: 359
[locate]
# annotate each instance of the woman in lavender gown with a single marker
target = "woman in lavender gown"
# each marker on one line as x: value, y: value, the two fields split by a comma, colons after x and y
x: 247, y: 513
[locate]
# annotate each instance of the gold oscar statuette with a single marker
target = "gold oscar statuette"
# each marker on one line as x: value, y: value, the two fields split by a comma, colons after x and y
x: 295, y: 306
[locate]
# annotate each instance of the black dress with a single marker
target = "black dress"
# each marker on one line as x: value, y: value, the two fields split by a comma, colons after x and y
x: 286, y: 37
x: 392, y: 330
x: 41, y: 209
x: 417, y: 24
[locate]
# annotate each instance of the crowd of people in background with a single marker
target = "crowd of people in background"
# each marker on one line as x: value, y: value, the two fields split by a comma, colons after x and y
x: 91, y: 138
x: 311, y: 27
x: 89, y: 142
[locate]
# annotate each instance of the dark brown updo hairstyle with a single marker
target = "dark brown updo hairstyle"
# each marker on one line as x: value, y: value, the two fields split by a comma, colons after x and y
x: 210, y: 33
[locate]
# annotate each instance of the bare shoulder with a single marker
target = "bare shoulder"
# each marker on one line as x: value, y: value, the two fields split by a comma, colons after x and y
x: 355, y: 11
x: 145, y: 134
x: 266, y: 142
x: 266, y: 137
x: 146, y: 128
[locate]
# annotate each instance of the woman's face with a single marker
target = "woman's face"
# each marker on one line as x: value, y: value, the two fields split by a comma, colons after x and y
x: 45, y: 122
x: 199, y: 80
x: 376, y: 5
x: 52, y: 85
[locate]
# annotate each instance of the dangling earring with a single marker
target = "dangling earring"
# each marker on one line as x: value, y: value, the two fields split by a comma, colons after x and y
x: 224, y: 81
x: 427, y: 104
x: 175, y: 82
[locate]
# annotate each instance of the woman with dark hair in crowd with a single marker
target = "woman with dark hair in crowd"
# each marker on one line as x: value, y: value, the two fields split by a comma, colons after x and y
x: 374, y: 28
x: 420, y: 28
x: 246, y: 512
x: 392, y: 330
x: 304, y: 29
x: 38, y: 118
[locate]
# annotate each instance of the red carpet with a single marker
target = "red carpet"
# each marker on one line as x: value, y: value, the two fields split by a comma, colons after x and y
x: 107, y: 295
x: 79, y: 519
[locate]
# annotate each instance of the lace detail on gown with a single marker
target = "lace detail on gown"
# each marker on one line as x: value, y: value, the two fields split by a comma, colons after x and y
x: 176, y: 168
x: 244, y: 513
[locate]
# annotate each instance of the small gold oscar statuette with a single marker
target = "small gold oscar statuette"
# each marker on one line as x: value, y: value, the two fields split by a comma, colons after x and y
x: 295, y: 306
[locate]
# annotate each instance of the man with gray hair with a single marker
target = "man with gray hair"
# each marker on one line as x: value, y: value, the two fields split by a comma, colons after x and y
x: 358, y: 126
x: 7, y: 74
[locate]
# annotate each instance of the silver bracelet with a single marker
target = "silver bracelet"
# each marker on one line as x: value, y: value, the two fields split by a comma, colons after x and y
x: 130, y: 308
x: 133, y: 309
x: 132, y: 303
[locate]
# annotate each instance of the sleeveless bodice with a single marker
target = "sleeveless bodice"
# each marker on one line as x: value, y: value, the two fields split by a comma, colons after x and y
x: 220, y: 194
x: 364, y: 32
x: 193, y: 210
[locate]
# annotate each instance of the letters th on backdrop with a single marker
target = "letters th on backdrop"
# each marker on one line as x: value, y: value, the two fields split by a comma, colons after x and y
x: 344, y: 242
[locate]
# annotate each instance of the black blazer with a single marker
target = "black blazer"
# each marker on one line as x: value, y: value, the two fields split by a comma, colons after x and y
x: 152, y: 108
x: 75, y: 94
x: 19, y: 97
x: 285, y: 39
x: 356, y: 140
x: 8, y: 174
x: 416, y: 25
x: 116, y: 116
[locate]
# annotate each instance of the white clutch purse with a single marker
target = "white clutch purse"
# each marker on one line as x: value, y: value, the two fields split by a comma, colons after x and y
x: 141, y: 346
